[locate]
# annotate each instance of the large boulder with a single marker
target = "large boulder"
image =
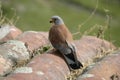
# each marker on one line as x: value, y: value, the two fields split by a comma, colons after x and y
x: 12, y: 53
x: 8, y: 32
x: 51, y: 65
x: 33, y: 39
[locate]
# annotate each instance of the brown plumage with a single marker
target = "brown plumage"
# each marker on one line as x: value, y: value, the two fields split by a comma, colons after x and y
x: 59, y: 33
x: 61, y: 39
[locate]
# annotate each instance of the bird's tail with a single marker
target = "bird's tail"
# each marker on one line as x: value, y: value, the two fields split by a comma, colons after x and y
x: 72, y: 62
x: 71, y: 57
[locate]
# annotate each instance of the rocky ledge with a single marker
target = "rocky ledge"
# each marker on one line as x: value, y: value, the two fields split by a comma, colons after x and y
x: 29, y: 56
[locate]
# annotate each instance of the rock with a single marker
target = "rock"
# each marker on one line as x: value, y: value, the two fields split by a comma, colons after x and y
x: 8, y: 32
x: 33, y: 39
x: 42, y: 68
x: 2, y: 78
x: 51, y: 65
x: 5, y: 66
x: 106, y: 69
x: 12, y: 53
x: 88, y: 47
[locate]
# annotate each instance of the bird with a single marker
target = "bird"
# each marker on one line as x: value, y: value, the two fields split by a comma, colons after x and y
x: 61, y: 39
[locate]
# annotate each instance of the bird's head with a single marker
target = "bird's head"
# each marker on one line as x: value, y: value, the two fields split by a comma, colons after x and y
x: 56, y: 20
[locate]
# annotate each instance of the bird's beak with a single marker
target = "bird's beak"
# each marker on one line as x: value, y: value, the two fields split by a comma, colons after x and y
x: 51, y: 21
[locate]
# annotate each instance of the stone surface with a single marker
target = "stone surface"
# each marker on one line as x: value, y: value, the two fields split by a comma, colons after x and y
x: 51, y: 66
x: 107, y: 69
x: 42, y: 68
x: 33, y: 39
x: 8, y: 32
x: 5, y: 66
x: 89, y: 46
x: 12, y: 53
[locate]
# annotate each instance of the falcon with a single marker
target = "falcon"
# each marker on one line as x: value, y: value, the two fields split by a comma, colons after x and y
x: 61, y: 39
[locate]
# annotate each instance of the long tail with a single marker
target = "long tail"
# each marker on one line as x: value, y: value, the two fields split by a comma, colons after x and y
x: 71, y: 58
x: 72, y: 62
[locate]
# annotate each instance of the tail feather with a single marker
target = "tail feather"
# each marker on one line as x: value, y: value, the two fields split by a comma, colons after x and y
x: 77, y: 65
x: 72, y: 63
x: 69, y: 53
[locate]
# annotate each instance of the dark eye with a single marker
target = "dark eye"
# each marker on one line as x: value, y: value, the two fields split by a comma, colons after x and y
x: 55, y: 19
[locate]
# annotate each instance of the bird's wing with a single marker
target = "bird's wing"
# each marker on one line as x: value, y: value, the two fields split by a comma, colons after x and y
x: 72, y: 51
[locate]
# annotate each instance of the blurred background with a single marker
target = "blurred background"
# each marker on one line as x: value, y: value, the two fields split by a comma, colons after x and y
x: 79, y: 15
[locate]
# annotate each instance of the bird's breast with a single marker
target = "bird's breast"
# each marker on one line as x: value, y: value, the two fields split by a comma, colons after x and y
x: 58, y: 35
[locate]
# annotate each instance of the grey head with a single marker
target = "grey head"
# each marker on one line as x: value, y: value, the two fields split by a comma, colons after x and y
x: 56, y: 20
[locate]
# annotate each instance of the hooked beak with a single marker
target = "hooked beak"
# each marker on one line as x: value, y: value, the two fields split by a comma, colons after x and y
x: 51, y: 21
